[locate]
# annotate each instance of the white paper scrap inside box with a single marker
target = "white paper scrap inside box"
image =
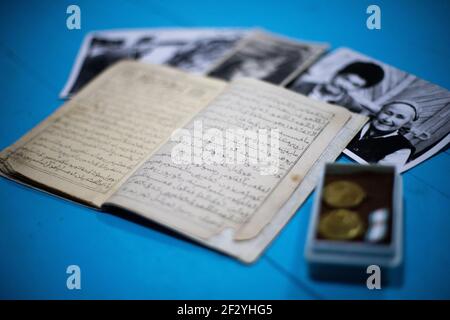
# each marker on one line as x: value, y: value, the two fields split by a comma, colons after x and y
x: 338, y: 258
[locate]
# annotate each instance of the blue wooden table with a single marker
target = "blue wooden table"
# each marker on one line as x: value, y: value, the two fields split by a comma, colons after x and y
x: 41, y: 235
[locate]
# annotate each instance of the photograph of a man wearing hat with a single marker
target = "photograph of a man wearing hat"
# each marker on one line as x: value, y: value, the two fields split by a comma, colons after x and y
x: 380, y: 141
x: 354, y: 76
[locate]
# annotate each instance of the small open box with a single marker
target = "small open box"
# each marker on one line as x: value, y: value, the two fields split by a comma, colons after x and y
x: 377, y: 239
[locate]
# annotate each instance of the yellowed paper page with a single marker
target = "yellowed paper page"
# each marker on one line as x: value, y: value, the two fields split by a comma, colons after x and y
x: 249, y: 250
x: 91, y: 144
x: 216, y: 191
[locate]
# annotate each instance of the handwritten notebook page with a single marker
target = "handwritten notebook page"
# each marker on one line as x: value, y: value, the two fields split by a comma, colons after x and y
x: 91, y: 144
x: 249, y: 250
x: 202, y: 200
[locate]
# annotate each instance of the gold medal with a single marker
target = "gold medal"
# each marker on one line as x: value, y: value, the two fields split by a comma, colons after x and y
x: 341, y: 224
x: 343, y: 194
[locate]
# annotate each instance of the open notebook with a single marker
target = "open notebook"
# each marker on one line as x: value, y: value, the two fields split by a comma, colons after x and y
x: 113, y: 145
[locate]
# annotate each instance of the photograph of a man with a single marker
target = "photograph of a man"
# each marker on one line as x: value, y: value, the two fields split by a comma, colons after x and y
x: 380, y: 140
x: 406, y: 113
x: 354, y: 76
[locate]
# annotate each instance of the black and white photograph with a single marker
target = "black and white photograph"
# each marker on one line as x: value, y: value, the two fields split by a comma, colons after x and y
x: 100, y: 52
x: 408, y: 117
x: 196, y: 57
x: 268, y: 57
x: 192, y: 50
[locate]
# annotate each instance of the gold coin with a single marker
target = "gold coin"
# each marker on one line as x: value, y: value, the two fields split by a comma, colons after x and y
x: 343, y: 194
x: 341, y: 224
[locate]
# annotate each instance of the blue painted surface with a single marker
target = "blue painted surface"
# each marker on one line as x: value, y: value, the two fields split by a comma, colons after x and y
x: 41, y: 235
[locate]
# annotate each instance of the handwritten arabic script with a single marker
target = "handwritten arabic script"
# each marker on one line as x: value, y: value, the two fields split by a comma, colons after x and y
x: 224, y: 194
x: 104, y: 134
